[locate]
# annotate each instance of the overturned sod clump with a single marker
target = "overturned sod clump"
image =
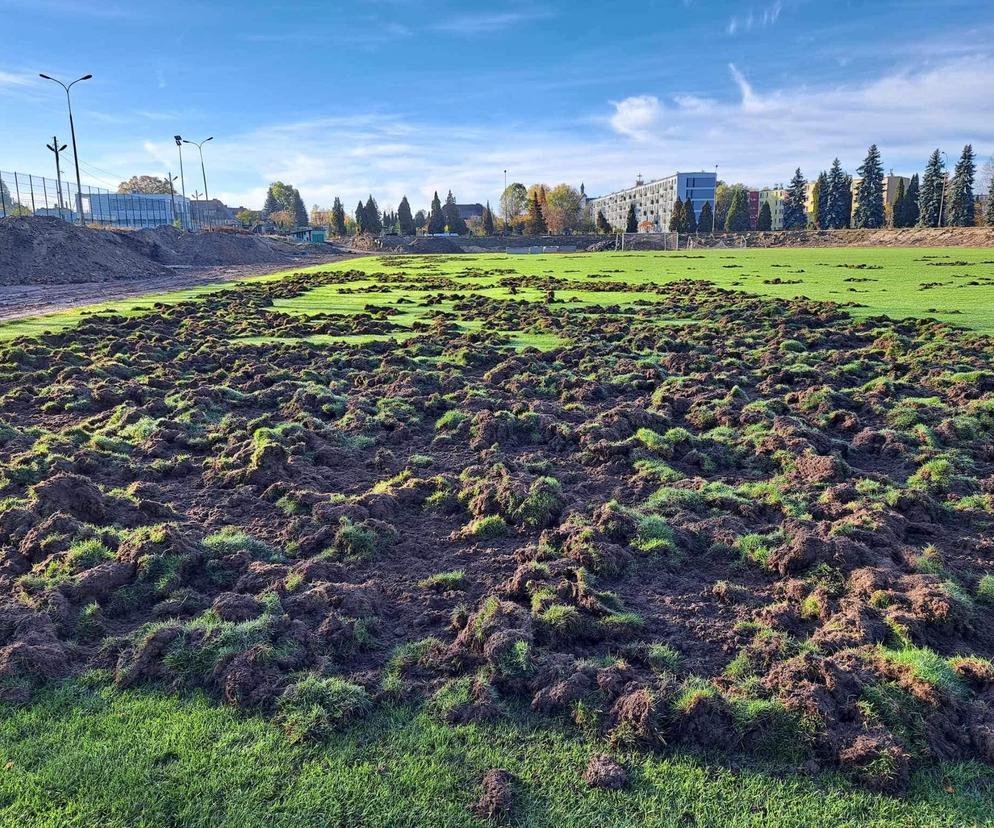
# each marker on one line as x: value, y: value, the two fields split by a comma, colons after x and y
x: 767, y: 528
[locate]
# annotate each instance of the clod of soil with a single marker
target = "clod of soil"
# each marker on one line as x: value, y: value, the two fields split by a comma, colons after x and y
x: 604, y: 772
x: 498, y: 794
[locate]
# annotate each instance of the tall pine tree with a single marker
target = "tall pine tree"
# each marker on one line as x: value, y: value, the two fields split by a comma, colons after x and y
x: 737, y: 220
x: 338, y: 217
x: 361, y: 223
x: 898, y: 211
x: 705, y: 223
x: 819, y: 201
x: 870, y: 198
x: 794, y: 216
x: 535, y: 223
x: 765, y: 219
x: 838, y: 199
x: 689, y: 219
x: 436, y: 218
x: 961, y: 201
x: 930, y: 209
x: 404, y: 218
x: 632, y: 220
x: 373, y: 221
x: 488, y: 221
x: 453, y: 221
x: 677, y: 217
x: 911, y: 196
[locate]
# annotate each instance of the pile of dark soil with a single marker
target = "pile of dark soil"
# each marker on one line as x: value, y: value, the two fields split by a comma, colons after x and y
x: 170, y: 246
x: 433, y: 244
x: 765, y: 529
x: 44, y: 250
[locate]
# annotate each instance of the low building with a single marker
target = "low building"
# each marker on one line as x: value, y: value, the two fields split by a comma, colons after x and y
x: 136, y: 210
x: 654, y: 200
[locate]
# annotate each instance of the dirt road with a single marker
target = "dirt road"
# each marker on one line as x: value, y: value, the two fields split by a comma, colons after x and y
x: 19, y: 301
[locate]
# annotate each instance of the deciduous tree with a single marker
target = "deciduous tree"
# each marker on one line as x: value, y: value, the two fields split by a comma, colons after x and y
x: 562, y: 208
x: 513, y: 201
x: 148, y: 184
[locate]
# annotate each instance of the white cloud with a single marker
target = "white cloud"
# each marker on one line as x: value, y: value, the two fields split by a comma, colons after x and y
x: 487, y: 23
x: 753, y: 19
x: 10, y: 79
x: 758, y: 135
x: 637, y: 117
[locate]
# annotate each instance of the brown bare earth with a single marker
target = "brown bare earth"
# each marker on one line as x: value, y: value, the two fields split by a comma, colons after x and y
x: 767, y: 528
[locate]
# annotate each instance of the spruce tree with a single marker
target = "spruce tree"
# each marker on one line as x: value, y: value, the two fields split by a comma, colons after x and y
x: 373, y: 221
x: 900, y: 205
x: 870, y: 199
x: 338, y: 218
x: 535, y: 223
x: 300, y: 217
x: 705, y: 223
x: 361, y: 223
x: 453, y: 220
x: 404, y: 218
x: 838, y: 199
x: 602, y: 223
x: 271, y: 206
x: 677, y: 218
x: 436, y: 219
x: 765, y: 219
x: 909, y: 213
x: 737, y: 220
x: 488, y: 221
x: 930, y: 209
x: 632, y: 220
x: 794, y: 216
x: 989, y: 212
x: 819, y: 199
x: 961, y: 201
x: 689, y: 219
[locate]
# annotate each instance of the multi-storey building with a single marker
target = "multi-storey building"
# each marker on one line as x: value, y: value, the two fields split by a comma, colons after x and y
x: 654, y: 200
x: 774, y: 196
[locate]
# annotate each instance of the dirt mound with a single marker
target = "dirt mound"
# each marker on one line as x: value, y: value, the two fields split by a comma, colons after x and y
x: 45, y: 250
x: 433, y: 244
x: 169, y: 246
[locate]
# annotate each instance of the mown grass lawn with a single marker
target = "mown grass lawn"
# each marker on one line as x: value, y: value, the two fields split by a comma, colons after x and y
x: 78, y: 756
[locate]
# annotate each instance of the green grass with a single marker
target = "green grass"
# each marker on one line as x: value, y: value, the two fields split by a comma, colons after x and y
x: 80, y: 757
x: 963, y: 296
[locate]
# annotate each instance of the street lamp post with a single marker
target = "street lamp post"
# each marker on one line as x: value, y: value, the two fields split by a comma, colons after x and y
x: 54, y: 147
x: 172, y: 195
x: 945, y: 175
x: 72, y: 131
x: 203, y: 171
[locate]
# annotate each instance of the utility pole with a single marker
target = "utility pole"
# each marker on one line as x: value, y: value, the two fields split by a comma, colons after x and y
x: 72, y: 131
x: 172, y: 194
x: 182, y: 178
x: 54, y: 147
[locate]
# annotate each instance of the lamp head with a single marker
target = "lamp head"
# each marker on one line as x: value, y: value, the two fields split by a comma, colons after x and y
x: 179, y: 139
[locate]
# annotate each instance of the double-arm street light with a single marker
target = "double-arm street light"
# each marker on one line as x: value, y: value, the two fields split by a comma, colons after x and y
x: 72, y: 131
x: 203, y: 172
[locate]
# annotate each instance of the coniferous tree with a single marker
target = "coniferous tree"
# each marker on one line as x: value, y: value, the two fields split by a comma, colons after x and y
x: 838, y: 200
x: 271, y: 206
x: 338, y: 217
x: 870, y: 199
x: 602, y: 223
x: 706, y: 222
x: 899, y: 209
x: 909, y: 212
x: 961, y: 201
x: 765, y: 219
x: 689, y: 219
x: 361, y: 223
x: 436, y: 218
x: 794, y: 217
x: 632, y: 220
x: 420, y: 220
x: 677, y: 217
x: 453, y: 220
x: 488, y: 221
x: 404, y: 218
x: 989, y: 211
x: 819, y: 200
x: 737, y: 220
x: 373, y: 220
x: 535, y: 223
x: 930, y: 207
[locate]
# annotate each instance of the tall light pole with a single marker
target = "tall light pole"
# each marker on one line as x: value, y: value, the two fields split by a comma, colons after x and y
x: 182, y: 178
x: 72, y: 131
x: 54, y: 147
x: 172, y: 194
x: 945, y: 175
x: 503, y: 197
x: 203, y: 172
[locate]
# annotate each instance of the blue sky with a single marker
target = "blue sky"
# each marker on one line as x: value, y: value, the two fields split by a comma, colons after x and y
x: 394, y: 97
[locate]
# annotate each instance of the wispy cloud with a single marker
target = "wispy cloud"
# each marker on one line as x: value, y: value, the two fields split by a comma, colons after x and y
x: 637, y: 117
x: 755, y: 19
x: 15, y: 79
x: 487, y: 23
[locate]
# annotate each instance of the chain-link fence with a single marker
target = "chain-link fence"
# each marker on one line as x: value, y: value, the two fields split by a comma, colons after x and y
x: 23, y: 194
